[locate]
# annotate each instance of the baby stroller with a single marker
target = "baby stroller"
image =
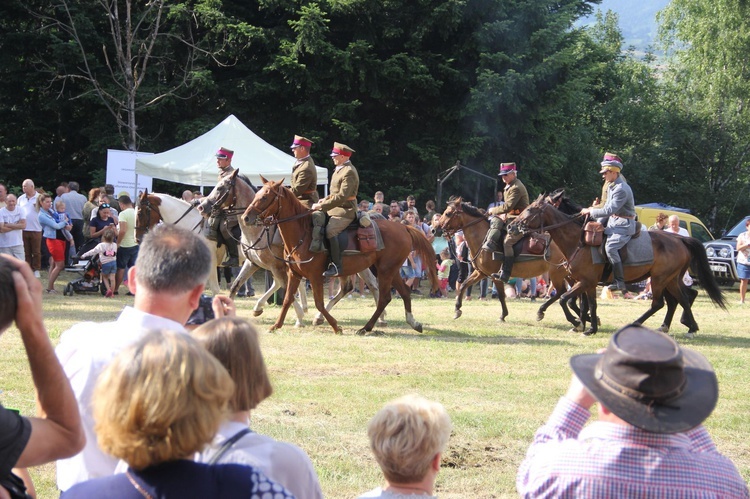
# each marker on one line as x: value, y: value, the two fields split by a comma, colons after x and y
x: 89, y: 271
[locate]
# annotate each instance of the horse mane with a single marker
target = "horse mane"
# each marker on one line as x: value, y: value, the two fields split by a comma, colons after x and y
x: 166, y: 197
x: 472, y: 210
x: 285, y: 191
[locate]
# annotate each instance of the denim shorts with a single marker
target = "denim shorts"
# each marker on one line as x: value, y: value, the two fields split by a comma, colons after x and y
x: 109, y: 268
x: 743, y: 271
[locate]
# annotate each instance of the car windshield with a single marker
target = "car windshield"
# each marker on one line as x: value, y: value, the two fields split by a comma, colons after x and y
x: 737, y: 229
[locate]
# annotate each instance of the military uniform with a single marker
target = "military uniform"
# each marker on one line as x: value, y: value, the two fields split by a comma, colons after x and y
x: 516, y: 200
x: 619, y: 215
x: 226, y: 227
x: 340, y: 204
x: 304, y: 175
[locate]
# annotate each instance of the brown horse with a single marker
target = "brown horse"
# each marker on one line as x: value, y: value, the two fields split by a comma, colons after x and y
x: 673, y: 255
x: 460, y: 215
x: 295, y: 225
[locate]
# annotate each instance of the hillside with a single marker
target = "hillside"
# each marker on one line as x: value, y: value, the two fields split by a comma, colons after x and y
x: 637, y: 20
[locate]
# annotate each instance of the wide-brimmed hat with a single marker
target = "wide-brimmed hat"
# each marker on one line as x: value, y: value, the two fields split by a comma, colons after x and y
x: 646, y: 379
x: 611, y: 162
x: 341, y: 149
x: 506, y: 168
x: 301, y: 141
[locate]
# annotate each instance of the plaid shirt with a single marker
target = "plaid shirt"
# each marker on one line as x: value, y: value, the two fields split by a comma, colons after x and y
x: 612, y: 460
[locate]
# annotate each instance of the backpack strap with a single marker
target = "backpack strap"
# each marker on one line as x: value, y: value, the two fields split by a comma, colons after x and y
x: 228, y: 443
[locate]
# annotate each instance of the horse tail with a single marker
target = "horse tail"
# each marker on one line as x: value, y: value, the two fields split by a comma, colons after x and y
x: 699, y: 264
x: 426, y: 253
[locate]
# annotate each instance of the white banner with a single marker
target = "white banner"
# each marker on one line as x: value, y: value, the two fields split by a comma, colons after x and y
x: 121, y: 172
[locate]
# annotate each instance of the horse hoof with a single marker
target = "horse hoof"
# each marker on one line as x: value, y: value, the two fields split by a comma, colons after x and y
x: 663, y: 328
x: 362, y: 332
x: 690, y: 335
x: 298, y: 324
x: 317, y: 321
x: 256, y: 313
x: 539, y: 316
x: 501, y: 319
x: 338, y: 330
x: 418, y: 327
x: 577, y: 329
x: 457, y: 314
x: 589, y: 332
x: 382, y: 322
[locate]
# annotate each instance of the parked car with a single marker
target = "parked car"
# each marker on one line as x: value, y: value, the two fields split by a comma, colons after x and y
x: 722, y: 255
x: 697, y: 229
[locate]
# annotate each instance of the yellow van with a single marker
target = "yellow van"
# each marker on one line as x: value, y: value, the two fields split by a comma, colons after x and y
x: 696, y: 228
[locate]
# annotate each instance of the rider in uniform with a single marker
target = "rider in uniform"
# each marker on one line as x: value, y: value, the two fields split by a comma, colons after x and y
x: 228, y: 222
x: 620, y: 212
x: 304, y: 186
x: 340, y: 204
x: 516, y: 200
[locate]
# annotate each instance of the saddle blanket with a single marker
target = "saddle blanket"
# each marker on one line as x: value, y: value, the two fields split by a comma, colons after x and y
x: 640, y: 252
x: 352, y: 247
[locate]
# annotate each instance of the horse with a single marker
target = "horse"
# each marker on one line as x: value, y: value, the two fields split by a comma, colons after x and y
x: 460, y: 215
x: 295, y: 225
x: 673, y: 255
x: 154, y: 208
x: 262, y: 250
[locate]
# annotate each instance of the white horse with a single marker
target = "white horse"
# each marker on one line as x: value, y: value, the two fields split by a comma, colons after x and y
x: 154, y: 208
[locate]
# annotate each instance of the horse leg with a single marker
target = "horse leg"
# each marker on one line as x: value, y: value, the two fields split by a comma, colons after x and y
x: 317, y: 287
x: 303, y: 295
x: 685, y: 296
x: 344, y: 290
x: 405, y: 292
x: 372, y: 283
x: 590, y: 304
x: 567, y: 301
x: 298, y: 309
x: 657, y: 302
x: 258, y: 309
x: 473, y: 278
x: 500, y: 286
x: 687, y: 317
x: 213, y: 279
x: 245, y: 273
x: 671, y: 308
x: 384, y: 298
x: 292, y: 283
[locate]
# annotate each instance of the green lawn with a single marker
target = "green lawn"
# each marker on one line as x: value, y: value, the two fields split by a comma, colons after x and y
x: 499, y: 381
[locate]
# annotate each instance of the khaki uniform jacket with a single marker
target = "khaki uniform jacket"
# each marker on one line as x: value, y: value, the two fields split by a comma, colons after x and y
x: 516, y: 200
x: 342, y: 200
x: 305, y: 181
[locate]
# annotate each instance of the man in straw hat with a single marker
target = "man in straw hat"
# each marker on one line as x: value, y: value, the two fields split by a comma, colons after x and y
x: 305, y: 188
x: 516, y: 200
x: 620, y: 212
x: 648, y: 440
x: 340, y: 204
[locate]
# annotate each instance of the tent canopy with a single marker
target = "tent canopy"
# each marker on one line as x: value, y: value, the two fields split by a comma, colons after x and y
x: 194, y: 163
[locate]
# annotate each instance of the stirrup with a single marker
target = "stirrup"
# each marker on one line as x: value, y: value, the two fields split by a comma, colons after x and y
x: 331, y: 271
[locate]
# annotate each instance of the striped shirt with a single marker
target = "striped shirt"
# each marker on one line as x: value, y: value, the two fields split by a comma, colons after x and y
x: 613, y: 460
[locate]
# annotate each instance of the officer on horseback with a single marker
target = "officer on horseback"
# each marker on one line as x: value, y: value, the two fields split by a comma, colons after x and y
x: 620, y: 211
x: 340, y: 204
x: 305, y: 188
x: 516, y: 200
x: 229, y: 232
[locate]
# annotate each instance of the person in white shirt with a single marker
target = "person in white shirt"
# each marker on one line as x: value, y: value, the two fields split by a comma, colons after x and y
x: 234, y: 342
x: 12, y: 224
x: 167, y: 281
x: 32, y: 234
x: 674, y: 227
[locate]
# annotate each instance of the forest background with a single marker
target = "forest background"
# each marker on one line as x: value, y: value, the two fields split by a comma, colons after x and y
x: 414, y: 86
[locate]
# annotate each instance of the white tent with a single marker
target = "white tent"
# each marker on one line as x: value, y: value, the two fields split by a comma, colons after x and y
x: 194, y: 163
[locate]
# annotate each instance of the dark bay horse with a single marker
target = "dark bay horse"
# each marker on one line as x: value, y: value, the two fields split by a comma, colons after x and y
x: 277, y: 202
x: 460, y: 215
x: 673, y: 255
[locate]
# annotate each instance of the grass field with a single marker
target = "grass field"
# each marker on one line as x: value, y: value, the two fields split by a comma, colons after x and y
x: 498, y: 381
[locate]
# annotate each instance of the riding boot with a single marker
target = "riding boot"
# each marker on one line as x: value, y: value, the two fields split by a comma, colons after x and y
x: 618, y: 278
x: 507, y: 269
x: 318, y: 232
x: 334, y: 267
x: 493, y: 239
x: 233, y: 259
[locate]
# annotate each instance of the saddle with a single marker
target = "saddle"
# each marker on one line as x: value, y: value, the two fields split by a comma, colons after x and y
x: 532, y: 247
x: 361, y: 239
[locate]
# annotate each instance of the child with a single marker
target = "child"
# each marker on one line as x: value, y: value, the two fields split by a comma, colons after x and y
x: 107, y: 251
x: 444, y: 270
x: 61, y: 216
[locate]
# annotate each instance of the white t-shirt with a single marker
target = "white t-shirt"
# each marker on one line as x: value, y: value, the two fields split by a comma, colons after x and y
x: 282, y: 462
x: 13, y: 237
x: 682, y: 232
x: 32, y: 216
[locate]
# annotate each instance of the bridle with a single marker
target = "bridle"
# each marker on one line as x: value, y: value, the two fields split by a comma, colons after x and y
x: 145, y: 205
x: 522, y: 226
x: 450, y: 232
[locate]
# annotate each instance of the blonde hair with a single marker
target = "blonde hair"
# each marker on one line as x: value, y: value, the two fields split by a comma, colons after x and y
x: 234, y: 342
x: 161, y: 399
x: 108, y: 235
x: 405, y: 436
x: 40, y: 198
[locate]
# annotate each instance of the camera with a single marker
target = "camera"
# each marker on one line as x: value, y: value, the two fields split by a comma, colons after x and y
x: 203, y: 313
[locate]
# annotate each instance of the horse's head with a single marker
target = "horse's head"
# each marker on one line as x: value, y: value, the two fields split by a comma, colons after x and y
x: 222, y: 196
x: 450, y: 221
x: 267, y: 202
x: 147, y: 214
x: 532, y: 218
